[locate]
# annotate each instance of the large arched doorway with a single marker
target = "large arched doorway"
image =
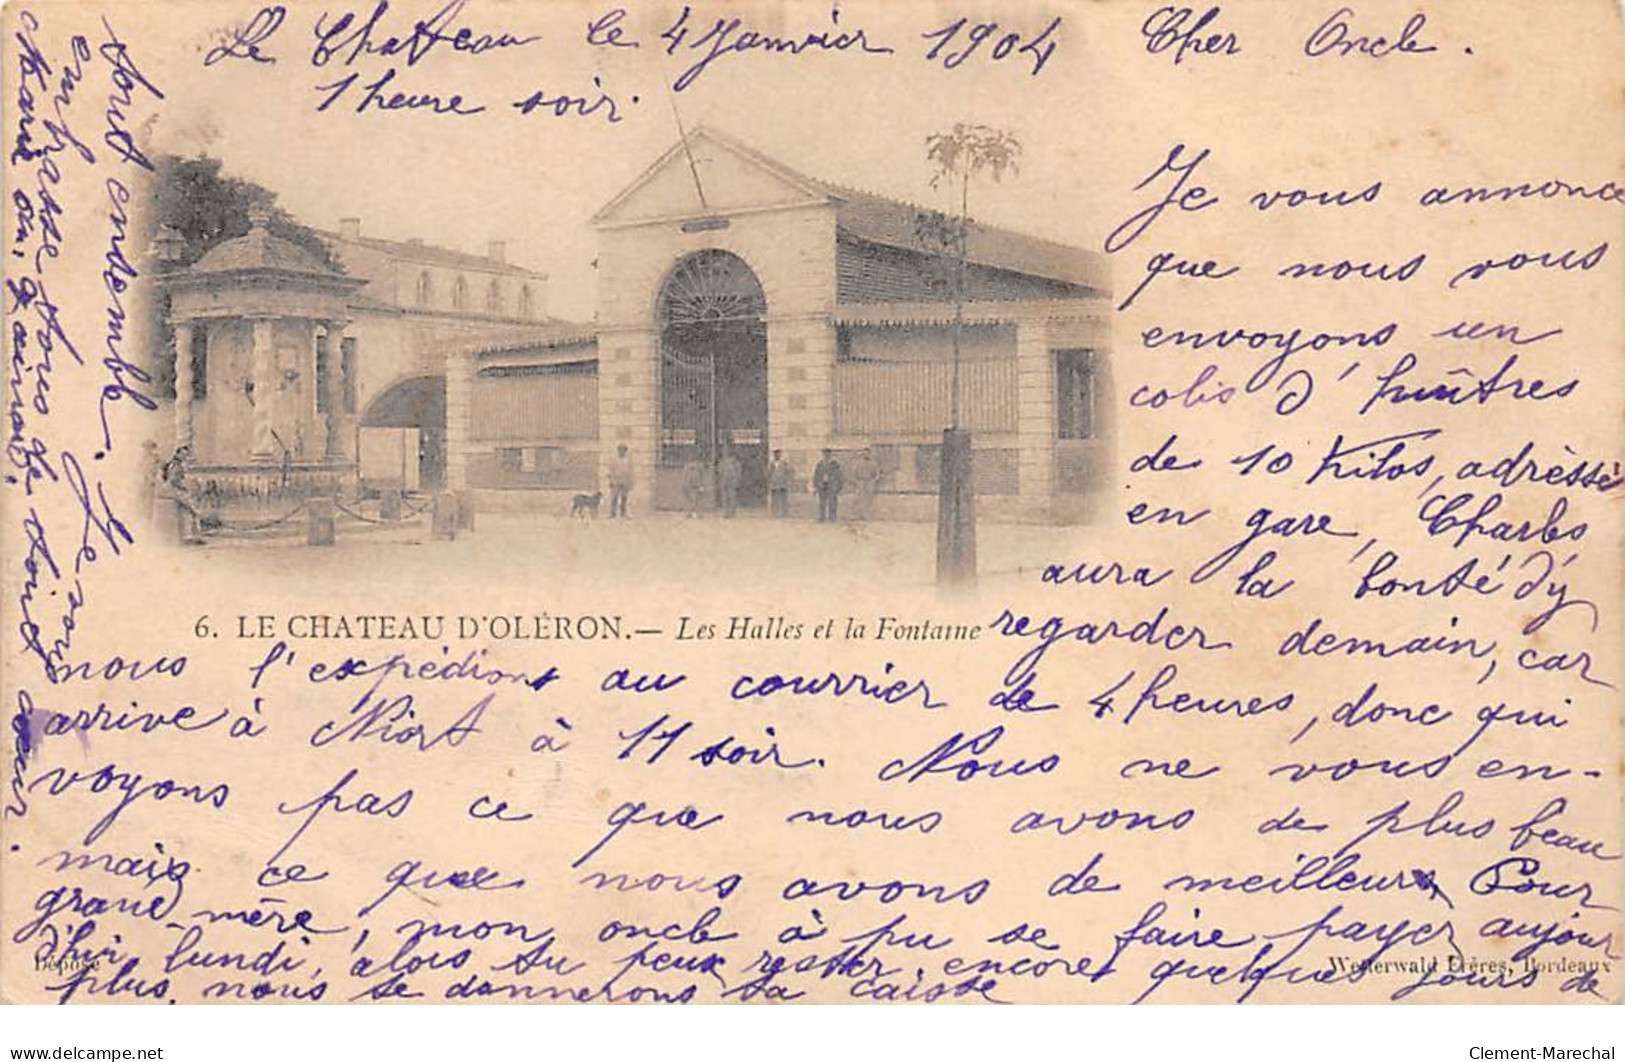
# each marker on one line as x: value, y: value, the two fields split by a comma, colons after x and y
x: 713, y: 373
x: 405, y: 426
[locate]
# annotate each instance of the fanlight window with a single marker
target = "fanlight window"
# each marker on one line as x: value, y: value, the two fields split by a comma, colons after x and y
x: 711, y: 287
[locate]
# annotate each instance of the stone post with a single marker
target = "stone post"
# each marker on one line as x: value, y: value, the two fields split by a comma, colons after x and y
x: 956, y: 513
x: 321, y: 522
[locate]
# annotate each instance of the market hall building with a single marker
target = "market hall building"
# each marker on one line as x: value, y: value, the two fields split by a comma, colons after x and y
x: 742, y: 306
x: 781, y: 312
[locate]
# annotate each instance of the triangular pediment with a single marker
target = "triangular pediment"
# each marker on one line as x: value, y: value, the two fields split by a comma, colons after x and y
x: 733, y: 177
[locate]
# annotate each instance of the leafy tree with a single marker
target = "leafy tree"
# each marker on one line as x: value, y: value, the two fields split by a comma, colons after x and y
x: 965, y: 152
x: 208, y: 207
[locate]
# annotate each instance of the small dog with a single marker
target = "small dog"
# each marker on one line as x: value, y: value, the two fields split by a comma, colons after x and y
x: 585, y: 506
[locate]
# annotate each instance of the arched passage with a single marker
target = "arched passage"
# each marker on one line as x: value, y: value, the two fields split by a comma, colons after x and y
x: 420, y: 404
x: 713, y: 368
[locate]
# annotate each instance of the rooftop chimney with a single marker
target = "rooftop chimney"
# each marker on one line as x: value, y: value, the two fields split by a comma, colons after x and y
x: 497, y: 251
x: 350, y: 228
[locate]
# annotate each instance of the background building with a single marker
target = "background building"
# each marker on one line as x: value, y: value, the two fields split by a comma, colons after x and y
x: 293, y: 372
x: 743, y: 307
x: 421, y: 305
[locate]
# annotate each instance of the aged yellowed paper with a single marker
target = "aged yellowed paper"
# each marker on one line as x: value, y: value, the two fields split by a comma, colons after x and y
x: 812, y: 502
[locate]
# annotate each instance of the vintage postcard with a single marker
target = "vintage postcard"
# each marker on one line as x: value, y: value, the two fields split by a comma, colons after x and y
x: 824, y: 502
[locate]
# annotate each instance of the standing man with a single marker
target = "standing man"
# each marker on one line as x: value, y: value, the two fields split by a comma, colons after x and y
x: 778, y: 485
x: 188, y: 526
x: 827, y: 482
x: 728, y: 473
x: 620, y: 482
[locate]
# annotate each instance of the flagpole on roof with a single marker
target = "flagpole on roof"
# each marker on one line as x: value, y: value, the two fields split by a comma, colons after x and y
x: 694, y: 171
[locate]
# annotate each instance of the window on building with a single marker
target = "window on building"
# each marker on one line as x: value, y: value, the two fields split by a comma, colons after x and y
x: 347, y: 379
x: 200, y: 361
x: 425, y: 288
x: 493, y: 297
x: 527, y: 306
x: 459, y: 294
x: 510, y: 458
x: 1075, y: 394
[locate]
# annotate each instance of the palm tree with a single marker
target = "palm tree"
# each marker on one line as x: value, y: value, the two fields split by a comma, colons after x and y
x: 967, y: 151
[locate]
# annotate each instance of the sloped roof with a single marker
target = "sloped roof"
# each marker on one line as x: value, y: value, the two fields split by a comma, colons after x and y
x: 557, y: 332
x: 429, y: 254
x: 878, y: 219
x: 258, y: 250
x: 886, y: 220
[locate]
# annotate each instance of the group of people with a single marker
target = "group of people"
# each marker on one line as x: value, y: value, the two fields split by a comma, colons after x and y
x: 860, y: 482
x: 831, y: 480
x: 696, y: 482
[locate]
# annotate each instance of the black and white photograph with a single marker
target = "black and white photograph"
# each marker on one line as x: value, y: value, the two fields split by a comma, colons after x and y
x: 758, y: 505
